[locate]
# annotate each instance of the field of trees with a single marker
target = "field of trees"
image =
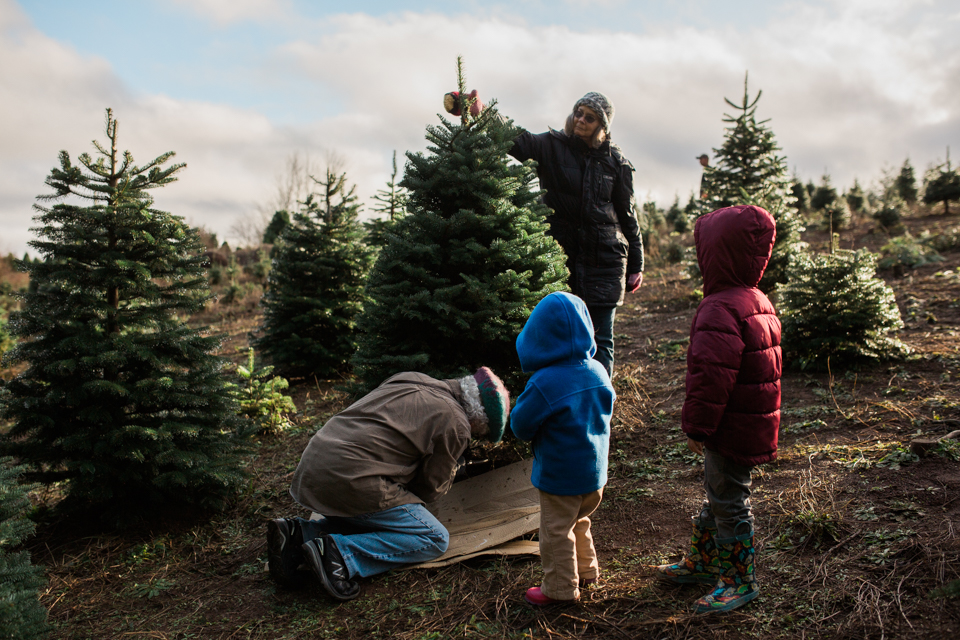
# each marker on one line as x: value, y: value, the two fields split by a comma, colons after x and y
x: 150, y: 432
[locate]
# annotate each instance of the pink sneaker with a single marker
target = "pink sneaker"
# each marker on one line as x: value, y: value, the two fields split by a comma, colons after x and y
x: 535, y: 597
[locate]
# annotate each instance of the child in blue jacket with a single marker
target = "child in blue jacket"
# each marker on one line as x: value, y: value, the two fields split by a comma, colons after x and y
x: 565, y: 411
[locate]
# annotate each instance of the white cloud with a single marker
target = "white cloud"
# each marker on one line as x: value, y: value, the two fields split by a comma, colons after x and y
x: 849, y: 88
x: 224, y: 12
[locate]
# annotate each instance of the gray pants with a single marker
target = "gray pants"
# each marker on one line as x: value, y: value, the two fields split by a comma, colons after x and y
x: 728, y: 494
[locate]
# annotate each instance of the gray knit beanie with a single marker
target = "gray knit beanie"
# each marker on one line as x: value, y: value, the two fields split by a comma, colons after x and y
x: 599, y: 103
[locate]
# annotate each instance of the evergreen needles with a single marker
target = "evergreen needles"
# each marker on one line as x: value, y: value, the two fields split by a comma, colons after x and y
x: 749, y: 171
x: 315, y: 288
x: 460, y: 274
x: 21, y: 614
x: 836, y: 308
x: 120, y: 399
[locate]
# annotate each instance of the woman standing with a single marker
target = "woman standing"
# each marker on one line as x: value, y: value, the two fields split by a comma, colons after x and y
x: 589, y: 186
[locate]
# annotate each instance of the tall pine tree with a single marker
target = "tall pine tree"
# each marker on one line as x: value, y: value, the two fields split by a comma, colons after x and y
x: 462, y: 271
x: 120, y: 398
x: 749, y: 170
x: 21, y: 614
x: 315, y: 290
x: 906, y: 183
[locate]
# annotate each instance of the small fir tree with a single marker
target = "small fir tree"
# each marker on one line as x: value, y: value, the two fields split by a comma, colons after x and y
x: 676, y: 218
x: 261, y: 397
x: 824, y: 194
x: 836, y: 310
x: 462, y: 271
x: 315, y: 288
x: 836, y: 214
x: 275, y: 228
x: 21, y: 614
x: 942, y: 184
x: 750, y: 171
x: 120, y: 399
x: 391, y: 203
x: 906, y: 183
x: 890, y: 212
x: 856, y: 198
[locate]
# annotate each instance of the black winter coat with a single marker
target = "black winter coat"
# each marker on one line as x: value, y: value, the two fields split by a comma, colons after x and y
x: 591, y: 194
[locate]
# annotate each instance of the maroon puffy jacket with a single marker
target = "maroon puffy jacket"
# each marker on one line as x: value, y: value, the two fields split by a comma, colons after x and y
x: 734, y: 360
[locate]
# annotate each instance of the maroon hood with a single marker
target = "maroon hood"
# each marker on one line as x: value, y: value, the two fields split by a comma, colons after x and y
x: 734, y: 246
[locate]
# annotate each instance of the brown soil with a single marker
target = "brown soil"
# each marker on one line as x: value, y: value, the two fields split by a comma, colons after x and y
x: 853, y: 534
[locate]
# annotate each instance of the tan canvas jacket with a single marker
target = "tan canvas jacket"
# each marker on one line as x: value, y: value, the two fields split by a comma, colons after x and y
x: 397, y: 445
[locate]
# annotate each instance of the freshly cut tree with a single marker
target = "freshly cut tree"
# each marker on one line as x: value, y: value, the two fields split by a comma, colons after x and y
x: 749, y: 170
x: 120, y: 398
x: 460, y: 274
x: 21, y: 614
x: 315, y: 288
x: 391, y: 203
x: 836, y: 308
x: 942, y: 184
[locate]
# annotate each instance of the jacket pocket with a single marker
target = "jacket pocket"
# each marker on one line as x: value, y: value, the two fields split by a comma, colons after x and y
x: 605, y: 186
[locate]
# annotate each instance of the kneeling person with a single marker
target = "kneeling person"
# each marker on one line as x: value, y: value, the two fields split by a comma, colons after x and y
x: 369, y: 471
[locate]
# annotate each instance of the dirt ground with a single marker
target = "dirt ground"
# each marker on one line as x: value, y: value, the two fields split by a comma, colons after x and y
x: 854, y: 533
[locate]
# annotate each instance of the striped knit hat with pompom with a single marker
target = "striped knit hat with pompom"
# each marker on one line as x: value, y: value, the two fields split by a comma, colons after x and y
x: 487, y: 403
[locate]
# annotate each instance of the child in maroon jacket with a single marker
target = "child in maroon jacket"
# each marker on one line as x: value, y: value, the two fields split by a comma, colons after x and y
x: 731, y: 413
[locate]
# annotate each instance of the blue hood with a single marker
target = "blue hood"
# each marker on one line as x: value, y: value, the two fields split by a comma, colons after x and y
x: 558, y: 331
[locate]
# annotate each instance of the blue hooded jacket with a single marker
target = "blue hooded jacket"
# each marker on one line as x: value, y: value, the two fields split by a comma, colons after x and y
x: 567, y: 404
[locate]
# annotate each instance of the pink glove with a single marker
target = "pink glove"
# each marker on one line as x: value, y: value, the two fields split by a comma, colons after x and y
x: 452, y: 103
x: 634, y: 280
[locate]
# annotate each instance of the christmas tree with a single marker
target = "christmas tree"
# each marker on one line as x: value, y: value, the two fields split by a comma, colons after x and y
x: 942, y: 184
x: 120, y: 399
x: 460, y: 274
x: 315, y: 289
x: 390, y: 202
x: 906, y: 183
x: 750, y: 171
x: 836, y: 310
x: 21, y: 614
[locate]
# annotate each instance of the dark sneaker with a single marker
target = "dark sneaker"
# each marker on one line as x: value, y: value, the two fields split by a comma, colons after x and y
x: 284, y: 554
x: 324, y: 558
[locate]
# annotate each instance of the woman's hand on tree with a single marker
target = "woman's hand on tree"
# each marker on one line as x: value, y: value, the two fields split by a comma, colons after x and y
x: 634, y: 280
x: 452, y: 103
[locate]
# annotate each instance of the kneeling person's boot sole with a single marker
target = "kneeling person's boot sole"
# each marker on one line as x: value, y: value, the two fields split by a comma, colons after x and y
x: 284, y: 553
x: 326, y: 562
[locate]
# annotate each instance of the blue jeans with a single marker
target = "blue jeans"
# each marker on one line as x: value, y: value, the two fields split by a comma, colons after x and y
x: 373, y: 543
x: 603, y: 333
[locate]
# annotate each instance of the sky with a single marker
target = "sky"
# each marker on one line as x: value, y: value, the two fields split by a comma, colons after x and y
x: 236, y: 88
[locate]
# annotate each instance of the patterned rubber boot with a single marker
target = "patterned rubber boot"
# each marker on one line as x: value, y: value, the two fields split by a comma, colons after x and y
x: 738, y: 580
x: 702, y: 564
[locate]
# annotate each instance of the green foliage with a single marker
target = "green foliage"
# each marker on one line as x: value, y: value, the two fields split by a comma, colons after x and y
x: 890, y: 212
x: 836, y: 214
x: 835, y: 307
x: 856, y: 198
x: 392, y: 203
x: 676, y: 218
x: 802, y: 198
x: 750, y: 171
x: 949, y: 590
x: 907, y: 251
x: 279, y: 222
x: 120, y: 398
x: 461, y: 273
x: 941, y: 184
x: 316, y: 286
x: 823, y: 195
x: 21, y: 614
x: 906, y: 183
x: 261, y: 397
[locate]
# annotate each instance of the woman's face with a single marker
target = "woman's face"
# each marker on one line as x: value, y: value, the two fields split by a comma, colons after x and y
x: 585, y: 122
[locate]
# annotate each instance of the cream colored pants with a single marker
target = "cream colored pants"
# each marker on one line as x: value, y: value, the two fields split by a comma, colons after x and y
x: 566, y: 545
